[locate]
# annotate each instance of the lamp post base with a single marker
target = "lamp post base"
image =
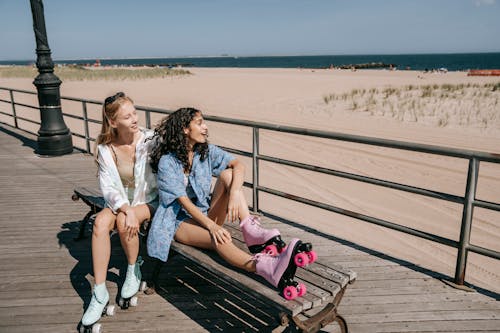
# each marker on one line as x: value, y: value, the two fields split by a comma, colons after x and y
x: 54, y: 145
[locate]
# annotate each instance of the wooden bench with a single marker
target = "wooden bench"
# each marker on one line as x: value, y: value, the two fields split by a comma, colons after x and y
x: 325, y: 284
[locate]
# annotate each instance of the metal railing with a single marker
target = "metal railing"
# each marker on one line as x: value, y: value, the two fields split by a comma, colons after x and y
x: 468, y: 201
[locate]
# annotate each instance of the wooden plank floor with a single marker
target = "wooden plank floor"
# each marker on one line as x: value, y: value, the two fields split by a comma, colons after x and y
x: 45, y: 277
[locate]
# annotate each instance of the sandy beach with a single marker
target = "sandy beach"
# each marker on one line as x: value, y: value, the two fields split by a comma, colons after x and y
x: 386, y: 104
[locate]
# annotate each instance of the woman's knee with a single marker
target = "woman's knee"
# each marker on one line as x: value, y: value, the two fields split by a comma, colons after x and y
x: 120, y: 223
x: 102, y: 225
x: 226, y: 177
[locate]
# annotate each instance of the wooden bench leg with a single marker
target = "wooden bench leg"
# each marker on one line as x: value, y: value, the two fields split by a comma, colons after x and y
x: 323, y: 318
x: 81, y: 232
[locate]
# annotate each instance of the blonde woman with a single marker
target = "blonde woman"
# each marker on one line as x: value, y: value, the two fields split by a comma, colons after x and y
x: 129, y: 189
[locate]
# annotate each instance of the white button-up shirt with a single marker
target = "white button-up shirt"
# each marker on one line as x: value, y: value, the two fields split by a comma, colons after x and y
x: 146, y: 190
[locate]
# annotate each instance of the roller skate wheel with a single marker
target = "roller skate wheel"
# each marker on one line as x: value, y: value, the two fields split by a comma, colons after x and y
x: 290, y: 292
x: 134, y: 301
x: 143, y: 286
x: 301, y: 289
x: 301, y: 259
x: 271, y: 250
x: 110, y: 310
x: 96, y: 328
x: 281, y: 250
x: 312, y: 256
x: 121, y: 302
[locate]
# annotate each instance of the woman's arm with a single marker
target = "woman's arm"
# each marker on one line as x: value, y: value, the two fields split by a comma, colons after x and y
x: 218, y: 233
x: 109, y: 182
x: 111, y: 187
x: 238, y: 172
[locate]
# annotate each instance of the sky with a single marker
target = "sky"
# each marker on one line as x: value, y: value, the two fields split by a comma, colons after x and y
x: 102, y: 29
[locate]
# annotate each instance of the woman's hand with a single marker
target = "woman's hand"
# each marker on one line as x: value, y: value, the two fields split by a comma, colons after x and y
x: 131, y: 223
x: 233, y: 206
x: 219, y: 234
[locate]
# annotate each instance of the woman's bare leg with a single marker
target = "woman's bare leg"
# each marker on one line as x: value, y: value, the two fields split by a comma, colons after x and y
x: 131, y: 244
x: 190, y: 233
x: 101, y: 245
x: 220, y: 199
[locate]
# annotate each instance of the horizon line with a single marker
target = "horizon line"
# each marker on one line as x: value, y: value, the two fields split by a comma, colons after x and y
x: 224, y: 55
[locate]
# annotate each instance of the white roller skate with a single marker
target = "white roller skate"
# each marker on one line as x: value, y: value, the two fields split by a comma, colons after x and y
x: 132, y: 285
x: 99, y: 305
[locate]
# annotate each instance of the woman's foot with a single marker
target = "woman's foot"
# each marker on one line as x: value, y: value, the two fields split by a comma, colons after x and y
x: 97, y: 306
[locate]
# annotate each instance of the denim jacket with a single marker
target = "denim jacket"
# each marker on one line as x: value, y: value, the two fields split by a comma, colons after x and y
x: 171, y: 186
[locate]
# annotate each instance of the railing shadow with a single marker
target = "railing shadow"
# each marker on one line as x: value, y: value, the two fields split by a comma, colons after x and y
x: 33, y: 144
x: 401, y: 262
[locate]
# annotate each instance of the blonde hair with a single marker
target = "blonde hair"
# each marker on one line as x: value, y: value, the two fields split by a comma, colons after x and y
x: 110, y: 109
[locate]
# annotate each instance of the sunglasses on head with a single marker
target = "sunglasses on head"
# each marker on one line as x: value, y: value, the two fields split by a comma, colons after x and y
x: 113, y: 98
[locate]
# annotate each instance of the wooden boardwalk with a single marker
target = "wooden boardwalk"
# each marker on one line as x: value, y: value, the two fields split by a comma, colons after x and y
x: 46, y: 277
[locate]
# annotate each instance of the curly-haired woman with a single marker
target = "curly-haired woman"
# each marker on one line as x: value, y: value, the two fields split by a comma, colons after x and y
x: 191, y: 215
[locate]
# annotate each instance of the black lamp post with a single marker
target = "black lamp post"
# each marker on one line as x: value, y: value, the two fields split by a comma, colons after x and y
x: 54, y: 137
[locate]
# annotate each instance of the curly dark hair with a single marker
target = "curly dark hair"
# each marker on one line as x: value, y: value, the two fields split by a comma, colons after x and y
x: 170, y: 138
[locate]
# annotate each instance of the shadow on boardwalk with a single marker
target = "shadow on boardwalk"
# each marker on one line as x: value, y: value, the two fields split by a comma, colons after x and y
x: 213, y: 304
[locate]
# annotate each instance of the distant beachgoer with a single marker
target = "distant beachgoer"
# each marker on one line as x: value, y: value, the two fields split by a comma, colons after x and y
x: 129, y: 189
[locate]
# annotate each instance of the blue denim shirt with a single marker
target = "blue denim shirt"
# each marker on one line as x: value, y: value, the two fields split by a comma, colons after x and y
x: 171, y: 186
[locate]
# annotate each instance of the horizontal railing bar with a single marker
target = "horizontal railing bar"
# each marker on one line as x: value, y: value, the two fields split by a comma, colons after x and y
x: 20, y: 90
x: 76, y: 99
x: 373, y: 220
x: 5, y: 100
x: 155, y: 110
x: 483, y: 251
x: 430, y: 149
x: 69, y: 115
x: 487, y: 205
x: 423, y: 148
x: 78, y: 135
x: 369, y: 180
x: 29, y: 120
x: 27, y: 106
x: 7, y: 114
x: 237, y: 151
x: 22, y: 129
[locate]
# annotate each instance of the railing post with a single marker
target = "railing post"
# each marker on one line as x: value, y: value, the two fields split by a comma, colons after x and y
x: 86, y: 126
x: 470, y: 195
x: 255, y: 170
x: 148, y: 119
x: 13, y: 103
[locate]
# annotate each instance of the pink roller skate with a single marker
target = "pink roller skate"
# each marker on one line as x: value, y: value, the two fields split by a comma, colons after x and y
x: 259, y: 239
x: 280, y: 270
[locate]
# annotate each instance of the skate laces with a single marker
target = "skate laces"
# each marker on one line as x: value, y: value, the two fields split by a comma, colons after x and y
x: 255, y: 220
x: 134, y: 274
x: 94, y: 303
x: 258, y: 256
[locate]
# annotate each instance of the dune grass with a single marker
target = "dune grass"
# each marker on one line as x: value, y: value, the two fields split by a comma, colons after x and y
x: 463, y: 105
x: 80, y: 73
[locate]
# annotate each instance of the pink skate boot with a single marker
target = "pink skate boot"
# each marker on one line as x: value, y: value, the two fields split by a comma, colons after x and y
x: 280, y: 271
x: 259, y: 239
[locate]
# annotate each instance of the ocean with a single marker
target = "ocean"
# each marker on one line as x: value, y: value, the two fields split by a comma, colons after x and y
x: 452, y: 61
